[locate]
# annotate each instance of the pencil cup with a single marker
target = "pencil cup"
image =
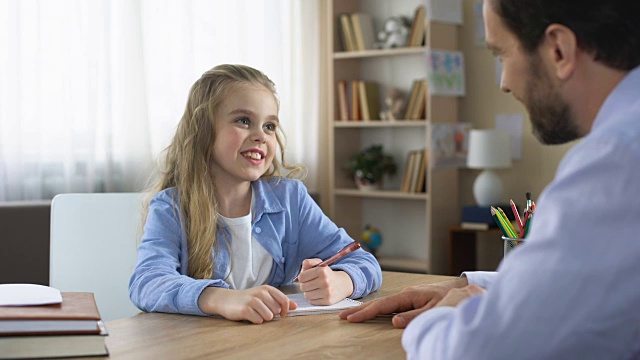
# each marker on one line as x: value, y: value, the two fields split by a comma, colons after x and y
x: 511, y: 243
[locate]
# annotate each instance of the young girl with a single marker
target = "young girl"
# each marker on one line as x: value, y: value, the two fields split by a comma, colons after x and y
x: 224, y: 228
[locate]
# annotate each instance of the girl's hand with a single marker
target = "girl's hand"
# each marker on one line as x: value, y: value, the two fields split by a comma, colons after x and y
x: 323, y: 286
x: 256, y: 304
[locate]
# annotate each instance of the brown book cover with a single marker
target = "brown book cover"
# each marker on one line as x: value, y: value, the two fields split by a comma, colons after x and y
x: 342, y: 101
x: 357, y: 32
x: 417, y: 161
x: 417, y: 27
x: 373, y: 100
x: 406, y: 182
x: 406, y: 176
x: 347, y: 33
x: 412, y: 99
x: 363, y: 31
x: 356, y: 113
x: 422, y: 176
x: 54, y: 346
x: 421, y: 101
x: 364, y: 101
x: 420, y: 28
x: 77, y: 314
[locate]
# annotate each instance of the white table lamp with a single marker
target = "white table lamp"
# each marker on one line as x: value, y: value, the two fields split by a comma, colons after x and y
x: 489, y: 149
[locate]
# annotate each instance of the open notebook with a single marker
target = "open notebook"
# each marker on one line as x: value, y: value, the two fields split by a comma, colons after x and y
x: 305, y: 308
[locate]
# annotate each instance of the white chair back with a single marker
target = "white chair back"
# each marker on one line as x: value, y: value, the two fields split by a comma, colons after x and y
x: 93, y: 247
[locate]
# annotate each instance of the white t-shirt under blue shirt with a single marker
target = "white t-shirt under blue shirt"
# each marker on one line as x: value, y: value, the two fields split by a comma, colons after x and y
x: 250, y: 263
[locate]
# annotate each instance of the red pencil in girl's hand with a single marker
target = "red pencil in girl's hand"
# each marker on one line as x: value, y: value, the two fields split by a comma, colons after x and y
x: 340, y: 254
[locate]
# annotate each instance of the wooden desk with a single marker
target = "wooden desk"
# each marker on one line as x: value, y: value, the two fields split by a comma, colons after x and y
x: 170, y: 336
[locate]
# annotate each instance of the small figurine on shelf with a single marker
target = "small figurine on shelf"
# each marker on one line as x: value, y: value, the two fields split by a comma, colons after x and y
x: 394, y: 100
x: 395, y: 33
x: 371, y: 239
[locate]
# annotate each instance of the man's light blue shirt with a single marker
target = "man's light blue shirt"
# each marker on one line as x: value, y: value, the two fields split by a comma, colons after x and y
x: 287, y: 223
x: 573, y: 290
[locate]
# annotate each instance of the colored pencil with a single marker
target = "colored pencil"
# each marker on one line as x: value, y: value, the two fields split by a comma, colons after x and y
x: 517, y: 215
x: 507, y: 223
x: 495, y: 217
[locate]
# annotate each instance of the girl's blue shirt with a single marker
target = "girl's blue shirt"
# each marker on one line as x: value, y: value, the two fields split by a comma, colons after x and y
x: 286, y: 221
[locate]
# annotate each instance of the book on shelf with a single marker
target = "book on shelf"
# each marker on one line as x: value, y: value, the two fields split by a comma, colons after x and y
x: 408, y: 172
x: 373, y: 100
x: 415, y: 171
x: 422, y: 176
x: 369, y: 100
x: 343, y: 103
x: 72, y: 327
x: 346, y: 33
x: 363, y: 31
x: 482, y: 215
x: 417, y: 101
x: 412, y: 99
x: 364, y: 106
x: 417, y: 34
x: 356, y: 112
x: 417, y: 160
x: 418, y: 111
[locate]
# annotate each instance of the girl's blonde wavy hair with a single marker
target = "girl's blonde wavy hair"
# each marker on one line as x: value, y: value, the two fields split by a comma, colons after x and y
x: 187, y: 164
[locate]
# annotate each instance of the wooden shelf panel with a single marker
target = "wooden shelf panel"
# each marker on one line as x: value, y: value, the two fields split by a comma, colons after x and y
x: 403, y: 264
x: 378, y: 124
x: 378, y: 52
x: 397, y: 67
x: 381, y: 194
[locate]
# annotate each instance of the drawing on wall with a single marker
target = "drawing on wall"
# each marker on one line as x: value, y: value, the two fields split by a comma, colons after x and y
x: 445, y: 71
x: 449, y: 144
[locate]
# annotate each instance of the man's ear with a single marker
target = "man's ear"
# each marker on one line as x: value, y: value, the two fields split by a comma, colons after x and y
x: 560, y: 49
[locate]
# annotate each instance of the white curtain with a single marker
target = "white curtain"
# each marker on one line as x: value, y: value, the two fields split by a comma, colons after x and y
x: 91, y: 91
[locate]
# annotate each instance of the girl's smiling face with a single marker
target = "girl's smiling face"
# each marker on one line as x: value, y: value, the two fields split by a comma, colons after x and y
x: 245, y: 134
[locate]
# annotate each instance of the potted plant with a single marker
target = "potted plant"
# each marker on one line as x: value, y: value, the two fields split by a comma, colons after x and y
x: 369, y: 166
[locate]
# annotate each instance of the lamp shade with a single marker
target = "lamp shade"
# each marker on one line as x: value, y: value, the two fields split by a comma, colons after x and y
x: 489, y: 149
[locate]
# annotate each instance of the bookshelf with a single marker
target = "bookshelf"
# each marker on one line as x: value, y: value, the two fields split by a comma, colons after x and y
x: 414, y: 225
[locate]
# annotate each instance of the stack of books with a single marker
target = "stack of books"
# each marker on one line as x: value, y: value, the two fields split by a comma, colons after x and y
x: 70, y: 328
x: 417, y: 107
x: 479, y: 217
x: 415, y: 170
x: 358, y: 100
x: 356, y: 31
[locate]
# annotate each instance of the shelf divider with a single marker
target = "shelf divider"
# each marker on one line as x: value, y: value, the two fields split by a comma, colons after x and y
x: 382, y: 194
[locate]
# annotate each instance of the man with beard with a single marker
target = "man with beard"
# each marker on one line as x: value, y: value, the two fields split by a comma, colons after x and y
x: 573, y: 290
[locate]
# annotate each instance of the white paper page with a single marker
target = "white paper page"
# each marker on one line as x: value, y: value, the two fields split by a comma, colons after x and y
x: 306, y: 308
x: 28, y: 294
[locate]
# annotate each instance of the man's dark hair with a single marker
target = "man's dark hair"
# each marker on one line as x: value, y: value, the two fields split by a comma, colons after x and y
x: 609, y: 29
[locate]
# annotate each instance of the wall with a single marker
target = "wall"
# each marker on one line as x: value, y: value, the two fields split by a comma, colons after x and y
x: 483, y: 101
